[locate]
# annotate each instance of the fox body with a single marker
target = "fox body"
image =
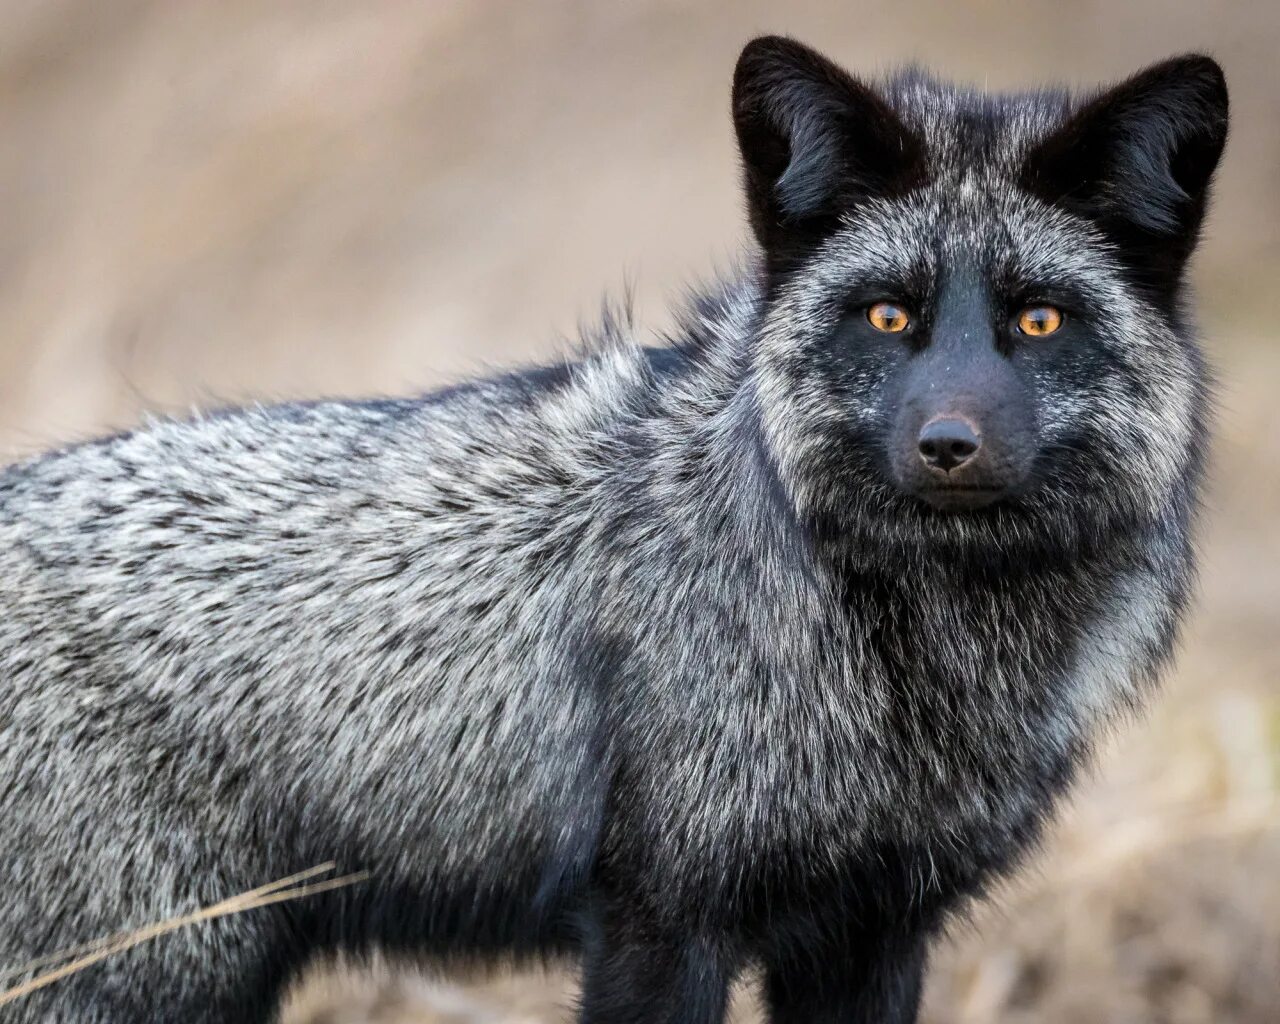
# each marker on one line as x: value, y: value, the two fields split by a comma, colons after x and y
x: 771, y: 646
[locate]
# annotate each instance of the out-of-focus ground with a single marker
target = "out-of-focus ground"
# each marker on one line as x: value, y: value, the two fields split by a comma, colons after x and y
x: 213, y: 202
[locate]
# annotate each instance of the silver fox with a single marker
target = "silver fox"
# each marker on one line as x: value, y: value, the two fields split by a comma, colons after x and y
x: 772, y: 646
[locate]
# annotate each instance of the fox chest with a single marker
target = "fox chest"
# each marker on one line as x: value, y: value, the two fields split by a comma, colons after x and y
x: 890, y: 741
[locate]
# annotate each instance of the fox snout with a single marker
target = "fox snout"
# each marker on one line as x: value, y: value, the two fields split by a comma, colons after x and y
x: 963, y: 452
x: 955, y: 469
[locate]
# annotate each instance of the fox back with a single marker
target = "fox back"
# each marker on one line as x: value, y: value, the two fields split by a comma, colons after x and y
x: 769, y: 646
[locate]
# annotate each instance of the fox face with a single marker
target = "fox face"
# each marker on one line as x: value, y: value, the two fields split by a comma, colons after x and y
x: 973, y: 326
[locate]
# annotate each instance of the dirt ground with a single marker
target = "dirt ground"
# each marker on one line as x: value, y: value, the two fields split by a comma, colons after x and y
x: 217, y: 202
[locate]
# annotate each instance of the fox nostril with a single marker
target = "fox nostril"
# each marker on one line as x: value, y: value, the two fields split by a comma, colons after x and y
x: 948, y: 442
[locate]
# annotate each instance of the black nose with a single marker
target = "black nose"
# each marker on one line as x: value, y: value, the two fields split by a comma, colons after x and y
x: 948, y: 442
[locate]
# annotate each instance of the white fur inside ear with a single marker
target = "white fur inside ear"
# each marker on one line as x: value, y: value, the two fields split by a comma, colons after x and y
x: 808, y: 183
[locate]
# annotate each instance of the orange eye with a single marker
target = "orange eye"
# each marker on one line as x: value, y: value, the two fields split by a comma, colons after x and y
x: 888, y: 317
x: 1038, y: 321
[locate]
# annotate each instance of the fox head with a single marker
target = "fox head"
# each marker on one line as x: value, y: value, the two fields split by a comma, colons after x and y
x: 973, y: 320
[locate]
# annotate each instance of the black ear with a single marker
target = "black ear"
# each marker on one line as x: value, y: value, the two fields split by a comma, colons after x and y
x: 1138, y: 159
x: 814, y: 140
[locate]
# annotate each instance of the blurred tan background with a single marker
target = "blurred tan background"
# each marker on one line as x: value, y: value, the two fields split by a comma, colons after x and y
x: 211, y: 202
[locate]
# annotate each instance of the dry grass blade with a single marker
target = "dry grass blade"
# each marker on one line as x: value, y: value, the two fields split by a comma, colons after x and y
x: 107, y: 940
x: 90, y: 953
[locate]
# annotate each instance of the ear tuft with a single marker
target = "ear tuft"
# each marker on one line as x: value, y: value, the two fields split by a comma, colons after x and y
x: 813, y: 141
